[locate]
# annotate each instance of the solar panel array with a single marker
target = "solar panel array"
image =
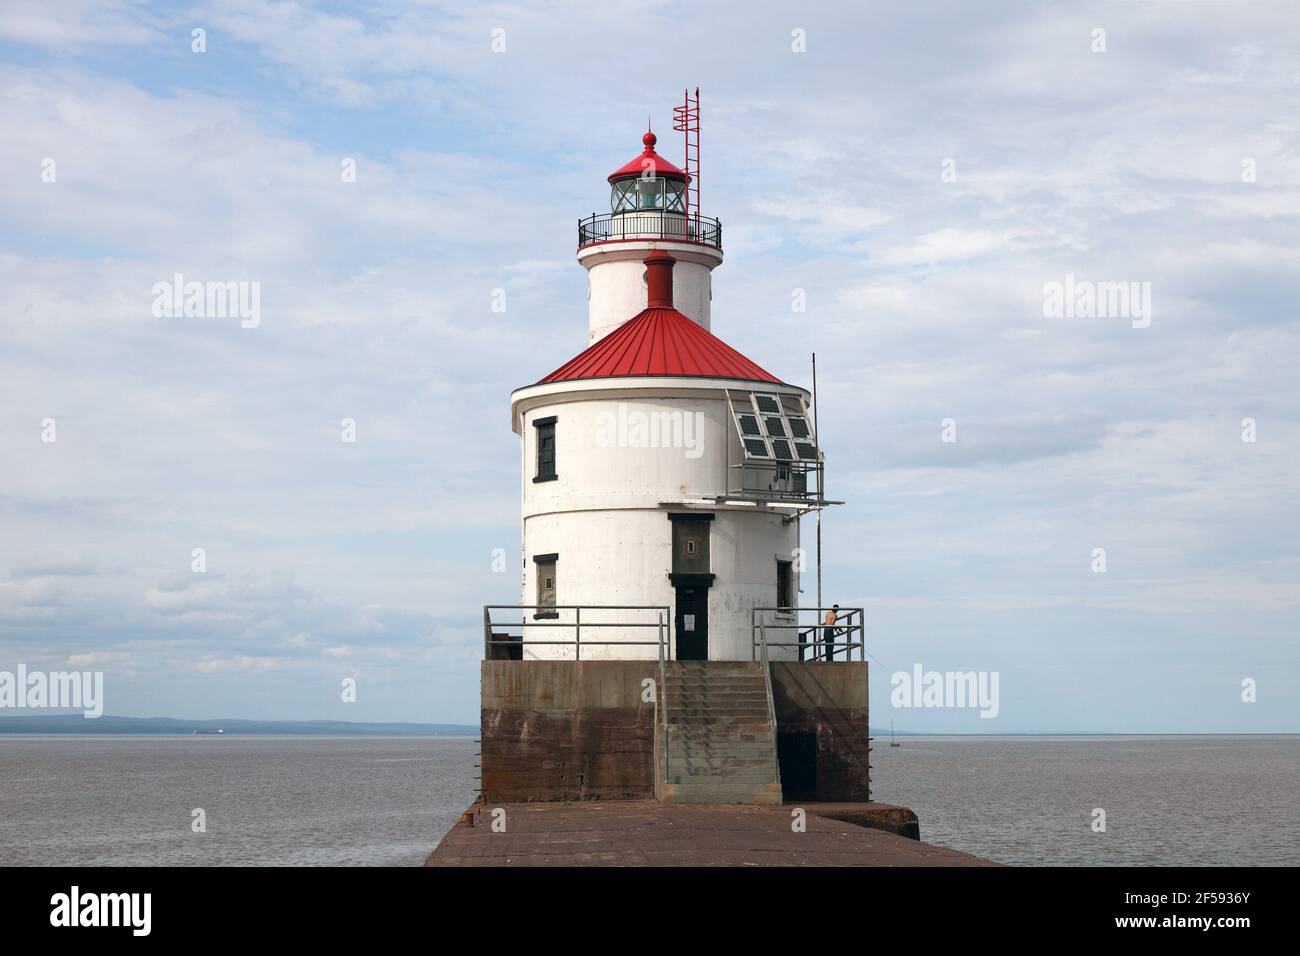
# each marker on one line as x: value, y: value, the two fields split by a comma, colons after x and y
x: 773, y: 427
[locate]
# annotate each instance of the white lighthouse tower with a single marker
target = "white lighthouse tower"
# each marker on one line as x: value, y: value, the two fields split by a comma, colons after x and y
x: 661, y: 468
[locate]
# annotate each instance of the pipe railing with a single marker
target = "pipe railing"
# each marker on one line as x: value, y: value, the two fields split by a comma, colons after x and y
x: 648, y: 224
x: 661, y: 706
x: 549, y: 615
x: 771, y: 703
x: 846, y: 635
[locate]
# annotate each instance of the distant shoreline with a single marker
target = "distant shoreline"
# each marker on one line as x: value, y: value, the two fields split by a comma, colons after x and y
x: 75, y: 724
x: 108, y: 725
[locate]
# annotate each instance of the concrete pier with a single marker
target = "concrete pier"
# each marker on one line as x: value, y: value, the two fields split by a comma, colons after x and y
x: 649, y: 833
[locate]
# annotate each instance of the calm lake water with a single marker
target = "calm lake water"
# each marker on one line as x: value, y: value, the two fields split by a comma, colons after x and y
x: 387, y: 801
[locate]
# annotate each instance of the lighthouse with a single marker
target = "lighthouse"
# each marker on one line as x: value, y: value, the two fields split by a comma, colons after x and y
x: 660, y: 646
x: 661, y: 467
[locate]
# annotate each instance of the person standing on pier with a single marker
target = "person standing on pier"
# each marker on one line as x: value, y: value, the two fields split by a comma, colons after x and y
x: 829, y: 631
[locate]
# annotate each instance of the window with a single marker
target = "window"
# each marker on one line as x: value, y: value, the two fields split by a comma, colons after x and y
x: 544, y: 568
x: 784, y: 583
x: 676, y: 196
x: 545, y: 430
x: 623, y: 195
x: 650, y: 193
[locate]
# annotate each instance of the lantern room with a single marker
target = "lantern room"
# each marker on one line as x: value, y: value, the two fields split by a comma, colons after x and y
x: 648, y: 182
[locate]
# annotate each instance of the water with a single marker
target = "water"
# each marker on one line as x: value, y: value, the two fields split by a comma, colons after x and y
x: 387, y: 801
x: 1175, y: 801
x: 343, y: 801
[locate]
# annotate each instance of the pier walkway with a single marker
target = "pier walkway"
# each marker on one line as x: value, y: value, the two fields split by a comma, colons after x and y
x: 649, y: 833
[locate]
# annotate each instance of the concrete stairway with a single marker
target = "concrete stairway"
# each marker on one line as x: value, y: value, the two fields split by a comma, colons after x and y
x: 720, y: 739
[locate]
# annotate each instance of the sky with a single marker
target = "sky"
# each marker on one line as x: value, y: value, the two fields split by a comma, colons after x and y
x: 919, y: 174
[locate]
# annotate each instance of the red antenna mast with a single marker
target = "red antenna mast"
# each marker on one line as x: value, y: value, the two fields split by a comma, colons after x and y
x: 686, y: 119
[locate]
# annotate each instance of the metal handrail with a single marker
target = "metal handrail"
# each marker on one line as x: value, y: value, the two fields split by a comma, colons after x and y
x: 771, y: 704
x: 661, y: 703
x: 489, y: 626
x: 763, y: 478
x: 642, y: 224
x: 849, y: 621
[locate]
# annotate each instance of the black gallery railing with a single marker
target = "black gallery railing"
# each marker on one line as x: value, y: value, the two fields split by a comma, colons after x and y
x: 604, y: 227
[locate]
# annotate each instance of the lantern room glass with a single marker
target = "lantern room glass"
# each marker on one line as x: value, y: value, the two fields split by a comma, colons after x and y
x: 642, y: 194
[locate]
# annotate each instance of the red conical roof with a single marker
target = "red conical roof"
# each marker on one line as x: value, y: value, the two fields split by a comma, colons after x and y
x: 649, y: 160
x: 660, y: 341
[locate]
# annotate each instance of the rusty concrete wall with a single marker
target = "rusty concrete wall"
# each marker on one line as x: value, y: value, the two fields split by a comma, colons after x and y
x: 821, y: 720
x: 567, y: 730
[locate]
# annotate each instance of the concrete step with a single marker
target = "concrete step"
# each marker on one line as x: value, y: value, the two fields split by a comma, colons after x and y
x: 701, y: 762
x: 766, y: 795
x: 719, y: 736
x: 712, y: 667
x: 714, y: 693
x: 703, y: 715
x: 730, y: 680
x: 721, y: 761
x: 732, y: 719
x: 715, y: 706
x: 735, y: 732
x: 705, y: 677
x: 758, y: 768
x: 707, y: 693
x: 712, y: 743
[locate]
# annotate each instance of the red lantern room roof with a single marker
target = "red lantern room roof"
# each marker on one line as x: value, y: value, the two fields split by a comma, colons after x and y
x: 660, y: 341
x: 649, y: 160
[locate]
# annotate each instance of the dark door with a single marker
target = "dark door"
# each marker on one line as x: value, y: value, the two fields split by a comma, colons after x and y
x: 692, y: 624
x: 796, y: 757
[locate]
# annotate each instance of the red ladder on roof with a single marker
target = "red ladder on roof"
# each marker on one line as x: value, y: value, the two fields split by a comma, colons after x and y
x: 686, y: 119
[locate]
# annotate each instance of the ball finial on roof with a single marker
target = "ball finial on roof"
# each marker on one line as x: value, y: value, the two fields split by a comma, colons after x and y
x: 649, y: 139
